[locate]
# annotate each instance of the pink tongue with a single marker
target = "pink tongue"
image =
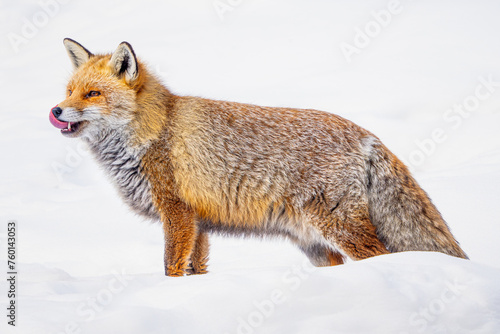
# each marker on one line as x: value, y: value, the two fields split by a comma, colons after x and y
x: 57, y: 123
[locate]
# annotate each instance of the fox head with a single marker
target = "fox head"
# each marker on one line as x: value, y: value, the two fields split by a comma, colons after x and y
x: 102, y: 93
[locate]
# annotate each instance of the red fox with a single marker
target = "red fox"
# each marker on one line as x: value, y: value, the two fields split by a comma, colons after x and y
x: 202, y: 166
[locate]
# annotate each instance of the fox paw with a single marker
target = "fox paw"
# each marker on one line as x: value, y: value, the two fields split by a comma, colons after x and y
x: 196, y: 270
x: 174, y: 271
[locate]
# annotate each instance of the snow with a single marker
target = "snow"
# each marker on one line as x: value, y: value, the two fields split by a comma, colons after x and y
x: 425, y: 79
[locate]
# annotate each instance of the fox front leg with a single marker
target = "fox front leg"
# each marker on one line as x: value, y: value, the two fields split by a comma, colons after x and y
x: 199, y: 257
x: 180, y: 238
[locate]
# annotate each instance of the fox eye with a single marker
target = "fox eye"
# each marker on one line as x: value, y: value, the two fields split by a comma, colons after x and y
x: 93, y: 93
x: 70, y: 92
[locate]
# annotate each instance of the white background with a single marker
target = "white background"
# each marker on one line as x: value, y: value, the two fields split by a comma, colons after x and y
x: 88, y: 265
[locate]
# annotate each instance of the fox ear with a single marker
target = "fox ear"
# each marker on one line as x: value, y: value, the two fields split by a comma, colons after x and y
x: 77, y: 53
x: 124, y: 62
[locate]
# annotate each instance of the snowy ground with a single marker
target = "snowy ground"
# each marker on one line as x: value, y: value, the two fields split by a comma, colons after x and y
x: 422, y: 75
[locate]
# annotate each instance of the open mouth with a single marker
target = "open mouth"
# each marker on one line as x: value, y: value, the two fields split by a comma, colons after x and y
x: 67, y: 128
x: 71, y: 128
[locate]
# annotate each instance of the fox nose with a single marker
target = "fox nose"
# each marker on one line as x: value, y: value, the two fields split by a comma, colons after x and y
x: 57, y: 111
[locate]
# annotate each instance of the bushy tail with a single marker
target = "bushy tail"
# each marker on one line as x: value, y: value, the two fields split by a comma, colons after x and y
x: 405, y: 218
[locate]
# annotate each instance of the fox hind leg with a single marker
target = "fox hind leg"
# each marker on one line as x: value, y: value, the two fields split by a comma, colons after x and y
x: 322, y: 256
x: 357, y: 238
x: 348, y: 227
